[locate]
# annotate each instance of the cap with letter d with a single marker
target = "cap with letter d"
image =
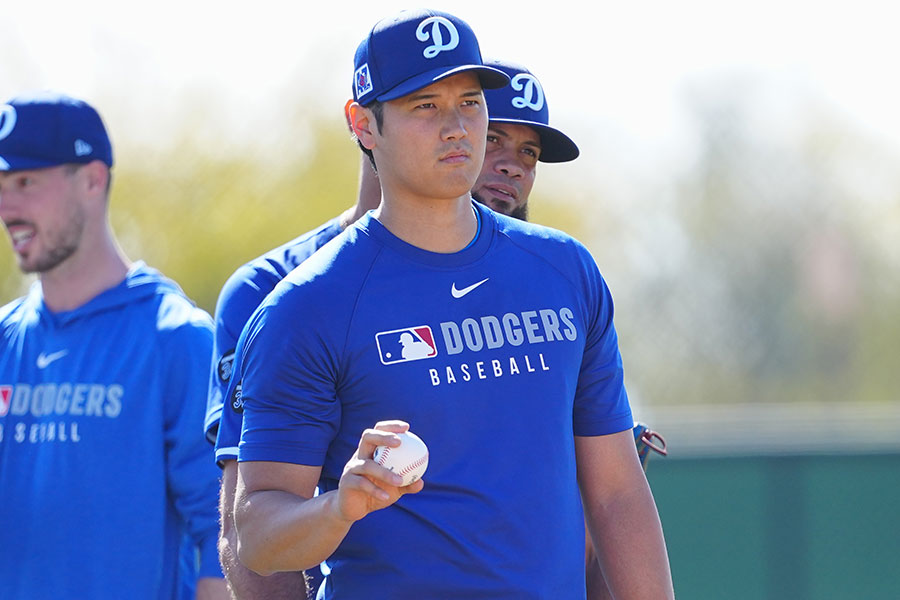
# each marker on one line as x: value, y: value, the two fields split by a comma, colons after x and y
x: 47, y: 129
x: 523, y: 102
x: 414, y: 49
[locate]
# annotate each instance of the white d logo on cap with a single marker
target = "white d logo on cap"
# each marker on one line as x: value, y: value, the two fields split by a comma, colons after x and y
x: 532, y: 94
x: 437, y: 23
x: 7, y: 120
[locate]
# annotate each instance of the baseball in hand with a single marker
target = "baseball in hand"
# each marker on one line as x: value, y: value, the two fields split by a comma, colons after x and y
x: 409, y: 459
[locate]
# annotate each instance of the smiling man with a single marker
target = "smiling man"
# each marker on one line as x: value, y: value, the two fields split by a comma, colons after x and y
x: 320, y: 389
x: 101, y: 380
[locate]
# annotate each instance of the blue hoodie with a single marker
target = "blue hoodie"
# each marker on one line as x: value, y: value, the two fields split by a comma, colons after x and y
x: 102, y: 472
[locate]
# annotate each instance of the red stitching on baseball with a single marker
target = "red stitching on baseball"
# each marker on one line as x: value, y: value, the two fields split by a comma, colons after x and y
x: 414, y: 465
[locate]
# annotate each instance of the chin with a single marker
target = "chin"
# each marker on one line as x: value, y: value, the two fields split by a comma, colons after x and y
x: 503, y: 207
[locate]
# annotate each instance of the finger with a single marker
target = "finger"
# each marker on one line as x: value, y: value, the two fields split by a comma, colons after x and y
x: 366, y: 484
x: 371, y: 469
x: 413, y: 488
x: 395, y: 426
x: 383, y: 435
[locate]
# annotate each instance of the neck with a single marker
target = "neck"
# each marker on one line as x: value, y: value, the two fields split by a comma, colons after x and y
x: 368, y: 196
x: 443, y: 226
x: 90, y: 271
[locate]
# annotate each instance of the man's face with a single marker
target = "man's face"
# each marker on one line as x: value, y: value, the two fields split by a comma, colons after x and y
x: 510, y: 164
x: 43, y: 215
x: 432, y: 142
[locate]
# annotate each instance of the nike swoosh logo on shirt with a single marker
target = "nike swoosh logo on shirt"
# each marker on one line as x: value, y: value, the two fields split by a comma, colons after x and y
x: 44, y: 360
x: 460, y: 293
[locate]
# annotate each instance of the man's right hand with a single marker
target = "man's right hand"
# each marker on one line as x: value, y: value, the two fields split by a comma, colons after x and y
x: 366, y: 486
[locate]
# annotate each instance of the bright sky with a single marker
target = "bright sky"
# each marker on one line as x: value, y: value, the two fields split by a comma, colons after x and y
x: 616, y: 71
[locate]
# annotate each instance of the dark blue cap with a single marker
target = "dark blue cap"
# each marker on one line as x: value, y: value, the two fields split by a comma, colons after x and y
x: 48, y: 129
x: 523, y: 102
x: 414, y: 49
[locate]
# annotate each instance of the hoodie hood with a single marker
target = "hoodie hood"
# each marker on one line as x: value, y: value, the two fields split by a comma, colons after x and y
x: 141, y: 282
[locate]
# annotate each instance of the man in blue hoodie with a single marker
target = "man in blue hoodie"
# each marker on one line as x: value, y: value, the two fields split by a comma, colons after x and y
x: 101, y: 373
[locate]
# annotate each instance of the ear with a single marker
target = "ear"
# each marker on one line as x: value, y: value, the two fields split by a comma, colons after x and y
x: 361, y: 122
x: 96, y: 177
x: 347, y: 114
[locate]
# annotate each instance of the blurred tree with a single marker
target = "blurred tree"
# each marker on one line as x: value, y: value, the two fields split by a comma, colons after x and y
x: 767, y: 271
x: 767, y: 294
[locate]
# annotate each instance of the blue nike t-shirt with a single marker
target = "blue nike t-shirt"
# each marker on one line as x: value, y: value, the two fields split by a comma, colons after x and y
x: 497, y: 356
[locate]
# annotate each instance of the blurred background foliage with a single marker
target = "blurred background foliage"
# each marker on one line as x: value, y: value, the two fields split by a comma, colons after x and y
x: 764, y: 269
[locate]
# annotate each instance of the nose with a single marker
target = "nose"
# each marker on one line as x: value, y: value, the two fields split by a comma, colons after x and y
x: 454, y: 127
x: 5, y: 199
x: 508, y: 165
x: 7, y: 202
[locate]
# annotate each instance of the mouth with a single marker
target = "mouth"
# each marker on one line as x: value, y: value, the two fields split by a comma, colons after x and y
x: 503, y: 191
x: 20, y: 235
x: 454, y: 156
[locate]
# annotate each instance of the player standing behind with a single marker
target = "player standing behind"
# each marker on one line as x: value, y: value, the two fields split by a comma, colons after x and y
x: 241, y: 294
x: 525, y: 357
x: 101, y: 469
x: 520, y: 136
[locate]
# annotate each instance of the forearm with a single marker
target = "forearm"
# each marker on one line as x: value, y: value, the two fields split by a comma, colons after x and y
x: 211, y: 588
x: 593, y: 574
x: 244, y: 584
x: 629, y: 542
x: 278, y: 531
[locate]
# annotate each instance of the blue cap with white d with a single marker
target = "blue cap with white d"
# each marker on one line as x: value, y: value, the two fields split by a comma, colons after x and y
x: 414, y: 49
x: 522, y: 102
x: 48, y: 129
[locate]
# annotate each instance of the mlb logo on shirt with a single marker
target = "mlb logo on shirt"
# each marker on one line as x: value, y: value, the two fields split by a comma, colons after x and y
x: 404, y: 345
x: 5, y: 397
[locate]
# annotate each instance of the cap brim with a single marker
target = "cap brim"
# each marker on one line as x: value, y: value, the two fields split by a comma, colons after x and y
x: 555, y: 145
x: 490, y: 78
x: 18, y: 163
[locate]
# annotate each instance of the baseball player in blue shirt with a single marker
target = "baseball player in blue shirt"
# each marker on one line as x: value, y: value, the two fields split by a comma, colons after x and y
x: 101, y: 470
x: 520, y: 400
x: 519, y: 135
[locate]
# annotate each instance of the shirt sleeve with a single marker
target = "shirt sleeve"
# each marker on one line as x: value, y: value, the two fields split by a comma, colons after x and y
x: 192, y: 478
x: 291, y: 411
x: 601, y: 401
x: 239, y: 297
x: 228, y: 434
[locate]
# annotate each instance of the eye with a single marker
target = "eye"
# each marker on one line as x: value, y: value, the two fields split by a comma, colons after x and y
x: 531, y: 152
x: 493, y: 139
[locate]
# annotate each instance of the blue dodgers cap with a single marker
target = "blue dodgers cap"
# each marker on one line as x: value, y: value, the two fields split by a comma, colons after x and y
x: 49, y: 129
x: 414, y: 49
x: 522, y: 102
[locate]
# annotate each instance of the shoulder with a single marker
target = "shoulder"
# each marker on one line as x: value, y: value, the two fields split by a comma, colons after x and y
x: 173, y: 313
x: 330, y: 280
x: 11, y: 315
x: 344, y: 256
x: 552, y: 245
x: 251, y: 282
